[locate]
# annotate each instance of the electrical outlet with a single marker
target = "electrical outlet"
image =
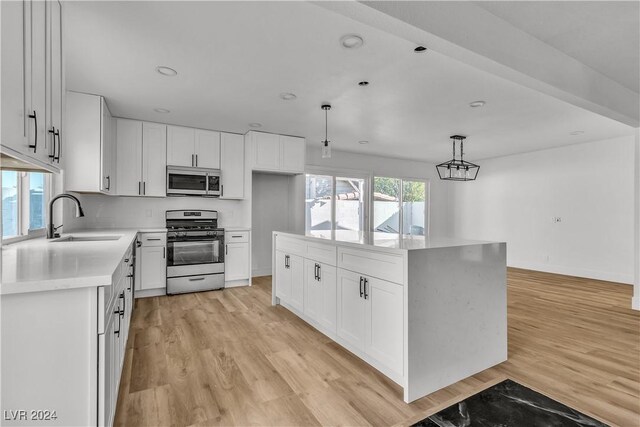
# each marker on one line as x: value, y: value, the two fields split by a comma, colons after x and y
x: 556, y: 219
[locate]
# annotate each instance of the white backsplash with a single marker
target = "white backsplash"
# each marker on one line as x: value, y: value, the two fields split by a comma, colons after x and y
x: 148, y: 212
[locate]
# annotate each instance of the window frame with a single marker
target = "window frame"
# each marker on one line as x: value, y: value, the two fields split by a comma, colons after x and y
x: 22, y: 184
x: 427, y: 203
x: 344, y: 173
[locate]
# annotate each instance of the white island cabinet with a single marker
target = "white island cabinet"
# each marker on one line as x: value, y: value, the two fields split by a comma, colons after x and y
x: 66, y: 307
x: 424, y: 312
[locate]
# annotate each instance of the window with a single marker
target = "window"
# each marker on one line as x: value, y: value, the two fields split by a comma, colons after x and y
x: 319, y: 190
x: 399, y: 205
x: 335, y: 202
x: 24, y: 195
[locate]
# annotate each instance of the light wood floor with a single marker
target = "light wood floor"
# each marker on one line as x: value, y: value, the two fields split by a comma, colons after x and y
x: 229, y: 358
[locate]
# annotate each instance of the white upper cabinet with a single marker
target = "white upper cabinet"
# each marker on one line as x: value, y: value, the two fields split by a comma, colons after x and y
x: 207, y: 149
x: 292, y: 154
x: 141, y: 154
x: 129, y: 157
x: 180, y: 146
x: 154, y: 159
x: 31, y: 81
x: 266, y: 151
x: 232, y: 166
x: 89, y: 145
x: 276, y: 153
x: 193, y: 147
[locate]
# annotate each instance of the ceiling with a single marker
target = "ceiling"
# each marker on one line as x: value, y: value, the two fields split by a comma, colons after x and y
x: 235, y: 58
x: 589, y: 31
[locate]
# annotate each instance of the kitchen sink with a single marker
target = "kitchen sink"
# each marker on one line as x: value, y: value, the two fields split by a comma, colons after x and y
x: 88, y: 238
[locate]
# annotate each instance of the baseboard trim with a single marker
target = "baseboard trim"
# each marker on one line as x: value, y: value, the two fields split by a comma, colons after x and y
x: 626, y: 279
x: 635, y: 303
x: 261, y: 272
x: 150, y: 293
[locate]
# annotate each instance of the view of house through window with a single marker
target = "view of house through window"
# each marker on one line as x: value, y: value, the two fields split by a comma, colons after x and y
x: 318, y: 206
x: 23, y: 192
x: 349, y: 204
x: 399, y: 205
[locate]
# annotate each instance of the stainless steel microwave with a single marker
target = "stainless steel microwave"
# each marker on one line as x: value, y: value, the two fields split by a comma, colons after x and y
x: 183, y: 181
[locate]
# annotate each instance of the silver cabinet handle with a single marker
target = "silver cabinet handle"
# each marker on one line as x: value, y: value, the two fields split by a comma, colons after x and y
x: 153, y: 239
x: 34, y: 116
x: 196, y: 279
x: 366, y: 294
x: 192, y: 162
x: 144, y: 188
x: 196, y: 160
x: 361, y: 282
x: 164, y: 250
x: 139, y: 186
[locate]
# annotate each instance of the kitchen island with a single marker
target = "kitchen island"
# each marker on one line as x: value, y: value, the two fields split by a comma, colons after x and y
x: 426, y: 312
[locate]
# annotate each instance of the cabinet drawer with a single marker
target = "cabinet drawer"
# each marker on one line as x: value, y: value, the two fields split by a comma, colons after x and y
x: 369, y: 263
x: 321, y: 253
x: 236, y: 237
x: 153, y: 239
x: 294, y: 246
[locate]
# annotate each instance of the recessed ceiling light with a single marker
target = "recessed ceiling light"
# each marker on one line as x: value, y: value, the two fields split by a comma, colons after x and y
x: 166, y: 71
x: 577, y: 132
x: 161, y: 110
x: 288, y: 96
x: 363, y: 142
x: 363, y: 83
x: 476, y: 104
x: 351, y: 41
x: 255, y: 125
x: 420, y: 49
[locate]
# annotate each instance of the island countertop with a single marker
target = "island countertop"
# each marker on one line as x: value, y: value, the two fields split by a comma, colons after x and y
x: 41, y: 264
x: 383, y: 240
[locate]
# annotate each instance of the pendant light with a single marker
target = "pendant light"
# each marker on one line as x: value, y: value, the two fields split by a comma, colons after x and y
x: 458, y: 169
x: 326, y: 148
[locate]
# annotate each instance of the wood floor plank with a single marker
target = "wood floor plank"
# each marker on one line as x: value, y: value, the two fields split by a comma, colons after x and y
x: 230, y: 358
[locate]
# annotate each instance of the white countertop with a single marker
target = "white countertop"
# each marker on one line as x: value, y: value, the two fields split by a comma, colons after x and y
x: 40, y: 264
x: 385, y: 240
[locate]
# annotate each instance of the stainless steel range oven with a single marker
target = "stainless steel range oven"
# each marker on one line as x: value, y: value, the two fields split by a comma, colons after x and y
x: 195, y: 251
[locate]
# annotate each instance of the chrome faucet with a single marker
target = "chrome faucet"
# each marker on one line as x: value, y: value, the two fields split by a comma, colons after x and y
x: 79, y: 212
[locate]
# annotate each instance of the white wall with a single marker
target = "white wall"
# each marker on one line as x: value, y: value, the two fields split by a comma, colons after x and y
x: 589, y: 186
x: 397, y: 168
x: 636, y: 289
x: 271, y: 211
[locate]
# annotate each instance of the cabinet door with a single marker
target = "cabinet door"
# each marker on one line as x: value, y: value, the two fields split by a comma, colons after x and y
x: 207, y: 149
x: 292, y: 154
x: 153, y: 268
x: 106, y: 150
x: 154, y: 159
x: 384, y: 317
x: 296, y: 266
x: 236, y: 263
x: 180, y: 146
x: 283, y: 277
x: 54, y: 77
x: 328, y: 297
x: 351, y: 309
x: 312, y: 291
x: 266, y: 151
x: 129, y: 157
x: 38, y: 80
x: 232, y: 166
x: 14, y: 50
x: 105, y: 372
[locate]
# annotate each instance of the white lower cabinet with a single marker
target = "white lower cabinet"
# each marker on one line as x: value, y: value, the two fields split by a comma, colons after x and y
x: 362, y: 312
x: 236, y: 257
x: 320, y: 293
x: 151, y: 262
x: 351, y: 308
x: 370, y: 313
x: 290, y: 271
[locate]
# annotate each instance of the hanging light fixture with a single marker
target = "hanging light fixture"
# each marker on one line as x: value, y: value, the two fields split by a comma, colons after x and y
x: 458, y: 169
x: 326, y: 148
